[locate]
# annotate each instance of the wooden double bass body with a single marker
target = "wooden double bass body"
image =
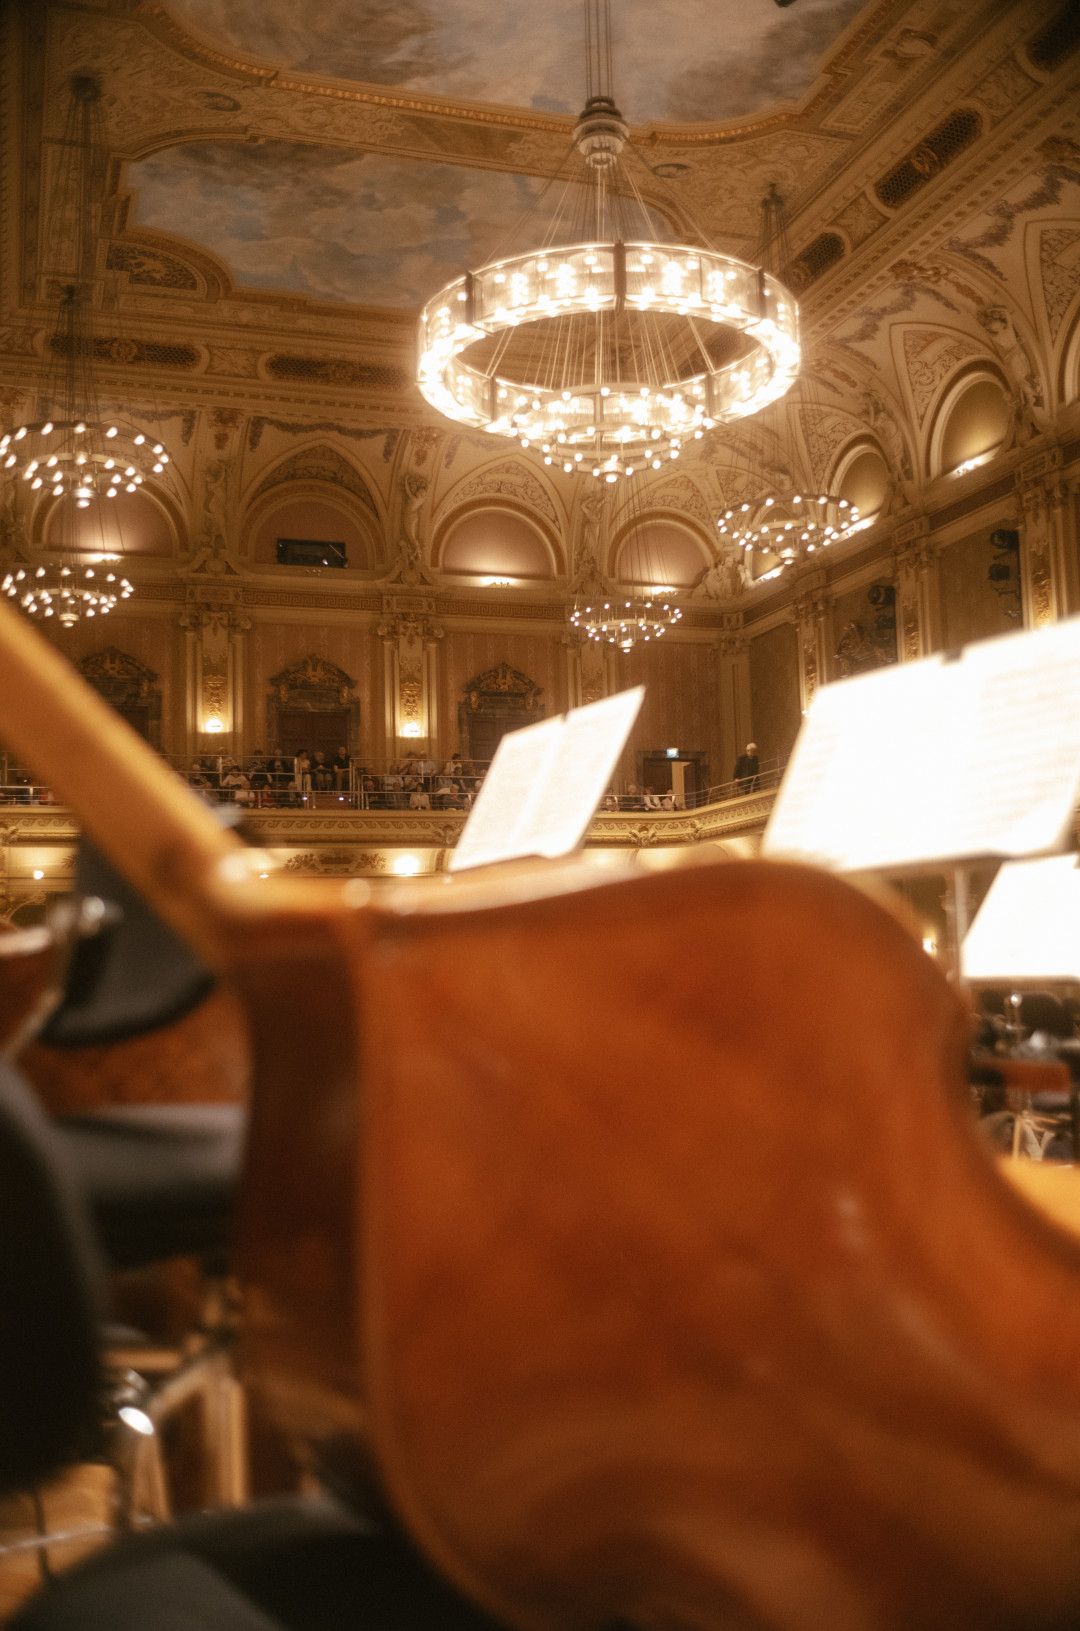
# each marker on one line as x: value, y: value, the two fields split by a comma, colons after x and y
x: 632, y: 1234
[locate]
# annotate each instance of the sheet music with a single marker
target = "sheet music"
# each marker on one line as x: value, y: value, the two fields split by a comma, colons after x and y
x: 1028, y: 927
x: 939, y: 760
x: 545, y: 783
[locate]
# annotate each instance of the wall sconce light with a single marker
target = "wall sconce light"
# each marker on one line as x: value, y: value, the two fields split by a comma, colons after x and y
x: 214, y: 726
x: 412, y: 729
x: 405, y: 866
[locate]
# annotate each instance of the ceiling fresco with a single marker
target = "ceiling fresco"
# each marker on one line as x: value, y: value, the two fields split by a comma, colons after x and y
x: 362, y: 228
x: 674, y: 59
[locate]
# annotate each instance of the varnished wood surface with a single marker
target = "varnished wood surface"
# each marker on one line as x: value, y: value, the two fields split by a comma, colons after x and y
x: 634, y: 1233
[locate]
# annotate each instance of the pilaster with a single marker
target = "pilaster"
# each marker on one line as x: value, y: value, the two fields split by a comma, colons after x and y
x: 917, y: 592
x: 1049, y: 570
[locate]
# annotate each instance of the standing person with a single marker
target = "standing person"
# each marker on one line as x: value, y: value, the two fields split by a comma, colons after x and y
x: 745, y: 774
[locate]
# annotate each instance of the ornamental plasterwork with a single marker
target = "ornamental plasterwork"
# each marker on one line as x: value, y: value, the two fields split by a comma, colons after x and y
x: 1002, y: 89
x: 824, y: 432
x: 322, y: 464
x: 508, y: 479
x: 930, y: 356
x: 1059, y: 267
x: 313, y: 673
x: 680, y: 493
x: 859, y: 219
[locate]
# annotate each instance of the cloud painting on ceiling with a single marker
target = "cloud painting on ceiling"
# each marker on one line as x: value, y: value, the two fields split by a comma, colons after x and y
x: 674, y: 59
x: 363, y: 228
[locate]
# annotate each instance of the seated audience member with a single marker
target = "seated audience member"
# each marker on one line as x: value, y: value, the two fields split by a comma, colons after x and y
x: 339, y: 765
x: 419, y: 798
x: 321, y: 774
x: 281, y: 774
x: 633, y: 798
x: 302, y: 771
x: 197, y: 777
x: 234, y: 784
x: 393, y: 787
x: 259, y: 778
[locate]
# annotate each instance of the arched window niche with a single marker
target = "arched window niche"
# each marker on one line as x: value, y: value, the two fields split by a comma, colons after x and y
x: 287, y: 527
x: 655, y: 551
x: 495, y: 544
x: 972, y: 423
x: 862, y: 477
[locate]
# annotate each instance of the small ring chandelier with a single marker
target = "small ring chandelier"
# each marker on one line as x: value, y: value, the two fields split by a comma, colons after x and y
x: 604, y: 348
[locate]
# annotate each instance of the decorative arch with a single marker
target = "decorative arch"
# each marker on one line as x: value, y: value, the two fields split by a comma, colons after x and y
x: 499, y: 700
x: 499, y: 563
x: 117, y: 528
x: 855, y: 462
x: 312, y: 704
x: 668, y: 528
x: 127, y: 685
x: 955, y: 390
x: 338, y: 500
x: 1068, y: 369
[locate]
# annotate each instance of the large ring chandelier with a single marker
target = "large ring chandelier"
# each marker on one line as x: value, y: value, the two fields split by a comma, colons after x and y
x: 596, y: 343
x: 621, y: 419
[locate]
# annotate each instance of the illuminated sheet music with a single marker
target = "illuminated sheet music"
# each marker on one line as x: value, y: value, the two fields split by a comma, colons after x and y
x: 939, y: 760
x: 1028, y: 927
x: 545, y: 783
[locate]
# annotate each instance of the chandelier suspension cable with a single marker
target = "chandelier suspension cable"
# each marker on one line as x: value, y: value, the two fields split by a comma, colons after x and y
x: 603, y: 345
x: 69, y: 457
x: 780, y: 517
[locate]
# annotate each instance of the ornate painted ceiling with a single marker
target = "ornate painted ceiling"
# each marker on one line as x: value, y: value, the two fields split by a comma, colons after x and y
x: 288, y: 183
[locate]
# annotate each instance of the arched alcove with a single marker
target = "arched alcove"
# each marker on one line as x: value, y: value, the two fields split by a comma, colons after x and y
x: 128, y: 686
x: 293, y: 522
x: 501, y: 699
x: 496, y: 542
x: 141, y: 523
x: 972, y: 422
x: 862, y: 477
x: 656, y: 550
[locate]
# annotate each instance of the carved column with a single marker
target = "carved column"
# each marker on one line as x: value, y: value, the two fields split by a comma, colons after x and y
x: 915, y: 555
x: 214, y: 655
x: 410, y: 675
x: 1049, y: 570
x: 736, y: 723
x: 811, y: 612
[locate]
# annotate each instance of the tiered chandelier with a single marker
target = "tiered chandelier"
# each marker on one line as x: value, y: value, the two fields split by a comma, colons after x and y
x: 639, y: 610
x: 69, y: 454
x: 599, y: 345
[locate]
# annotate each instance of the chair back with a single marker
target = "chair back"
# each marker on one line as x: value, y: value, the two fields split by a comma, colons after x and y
x: 49, y: 1375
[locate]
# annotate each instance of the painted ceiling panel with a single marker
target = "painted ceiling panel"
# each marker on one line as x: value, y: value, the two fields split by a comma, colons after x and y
x: 362, y: 228
x: 674, y: 59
